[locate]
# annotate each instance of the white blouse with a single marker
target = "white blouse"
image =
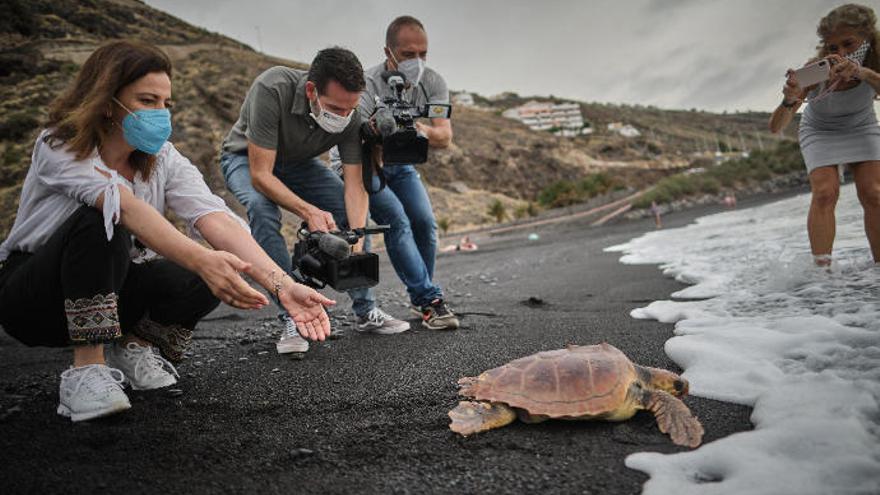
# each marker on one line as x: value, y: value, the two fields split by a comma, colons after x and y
x: 57, y: 184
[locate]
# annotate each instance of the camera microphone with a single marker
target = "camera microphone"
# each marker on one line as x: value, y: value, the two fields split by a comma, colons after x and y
x: 334, y: 246
x: 385, y: 123
x: 388, y: 74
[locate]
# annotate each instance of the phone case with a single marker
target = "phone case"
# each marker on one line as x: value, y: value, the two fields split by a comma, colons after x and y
x: 813, y: 73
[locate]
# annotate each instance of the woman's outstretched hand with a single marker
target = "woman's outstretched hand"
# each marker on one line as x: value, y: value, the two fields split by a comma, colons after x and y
x: 221, y: 272
x: 306, y: 306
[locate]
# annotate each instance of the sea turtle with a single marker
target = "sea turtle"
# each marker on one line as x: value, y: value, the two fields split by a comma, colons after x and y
x: 575, y: 383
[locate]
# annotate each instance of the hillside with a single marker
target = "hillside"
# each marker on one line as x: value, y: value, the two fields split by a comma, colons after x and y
x: 42, y: 44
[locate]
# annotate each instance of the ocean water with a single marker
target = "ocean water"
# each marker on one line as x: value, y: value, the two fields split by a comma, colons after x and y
x: 760, y: 325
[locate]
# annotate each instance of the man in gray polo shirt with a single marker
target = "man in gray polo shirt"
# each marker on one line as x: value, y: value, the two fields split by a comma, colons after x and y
x: 404, y: 204
x: 270, y: 159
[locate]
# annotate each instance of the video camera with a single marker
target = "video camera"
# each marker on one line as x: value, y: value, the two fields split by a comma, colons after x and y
x: 325, y: 258
x: 393, y: 125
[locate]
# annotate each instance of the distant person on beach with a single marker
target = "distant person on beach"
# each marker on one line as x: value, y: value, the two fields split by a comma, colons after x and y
x: 655, y: 210
x: 839, y: 126
x: 404, y: 204
x: 730, y: 200
x: 271, y: 160
x: 464, y: 244
x: 91, y: 260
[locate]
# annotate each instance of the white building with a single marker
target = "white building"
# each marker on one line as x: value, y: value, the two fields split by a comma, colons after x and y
x: 464, y: 99
x: 624, y: 130
x: 564, y: 119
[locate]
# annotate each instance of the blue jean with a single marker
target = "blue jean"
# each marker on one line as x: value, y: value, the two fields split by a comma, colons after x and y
x: 312, y: 181
x: 412, y: 239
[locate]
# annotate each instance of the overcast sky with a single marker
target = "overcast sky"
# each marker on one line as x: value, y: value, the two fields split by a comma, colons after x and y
x: 708, y: 54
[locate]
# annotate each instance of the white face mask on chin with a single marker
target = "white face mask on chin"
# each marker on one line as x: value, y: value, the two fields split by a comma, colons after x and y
x: 329, y: 121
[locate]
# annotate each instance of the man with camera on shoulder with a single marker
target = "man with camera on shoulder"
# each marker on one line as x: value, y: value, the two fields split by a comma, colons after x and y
x: 270, y: 159
x: 404, y: 203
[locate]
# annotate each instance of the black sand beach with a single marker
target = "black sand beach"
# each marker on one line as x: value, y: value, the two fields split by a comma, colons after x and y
x: 367, y: 414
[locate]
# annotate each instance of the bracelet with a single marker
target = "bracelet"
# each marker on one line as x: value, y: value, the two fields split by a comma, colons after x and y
x: 789, y: 105
x: 276, y: 282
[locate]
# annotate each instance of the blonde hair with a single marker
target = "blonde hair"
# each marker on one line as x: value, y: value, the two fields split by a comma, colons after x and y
x: 857, y: 17
x: 78, y: 117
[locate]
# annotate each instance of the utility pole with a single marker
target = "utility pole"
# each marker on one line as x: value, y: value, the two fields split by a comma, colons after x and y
x: 259, y: 39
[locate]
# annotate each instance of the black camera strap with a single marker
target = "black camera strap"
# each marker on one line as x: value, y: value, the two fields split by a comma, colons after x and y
x: 368, y: 165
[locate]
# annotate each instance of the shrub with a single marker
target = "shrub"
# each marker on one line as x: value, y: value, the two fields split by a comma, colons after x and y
x: 444, y: 224
x: 497, y: 210
x: 18, y: 125
x: 758, y: 167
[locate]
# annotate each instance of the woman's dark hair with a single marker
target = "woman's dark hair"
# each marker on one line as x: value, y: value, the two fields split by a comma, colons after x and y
x: 78, y: 118
x: 340, y: 65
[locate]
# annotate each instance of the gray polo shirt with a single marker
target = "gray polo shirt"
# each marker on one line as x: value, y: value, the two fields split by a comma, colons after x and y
x: 432, y: 89
x: 275, y: 115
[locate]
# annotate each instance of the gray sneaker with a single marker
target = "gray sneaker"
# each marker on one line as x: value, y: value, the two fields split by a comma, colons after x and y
x: 380, y: 322
x: 291, y: 340
x: 143, y: 367
x: 90, y: 392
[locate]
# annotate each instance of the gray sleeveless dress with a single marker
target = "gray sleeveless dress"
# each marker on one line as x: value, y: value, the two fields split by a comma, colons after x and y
x: 840, y: 128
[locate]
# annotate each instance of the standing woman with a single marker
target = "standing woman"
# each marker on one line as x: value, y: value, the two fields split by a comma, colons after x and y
x: 81, y: 266
x: 839, y: 126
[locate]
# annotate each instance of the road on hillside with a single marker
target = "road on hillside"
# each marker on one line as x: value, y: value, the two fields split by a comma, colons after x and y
x: 363, y: 413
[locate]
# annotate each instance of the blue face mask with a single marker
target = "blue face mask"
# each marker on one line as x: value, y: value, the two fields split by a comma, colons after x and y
x: 147, y: 129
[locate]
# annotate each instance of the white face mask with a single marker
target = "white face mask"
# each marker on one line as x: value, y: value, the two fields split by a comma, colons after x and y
x: 411, y: 68
x: 329, y: 121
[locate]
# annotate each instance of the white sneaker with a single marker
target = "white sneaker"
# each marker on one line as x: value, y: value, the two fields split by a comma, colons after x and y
x: 380, y: 322
x: 91, y: 391
x: 291, y: 340
x: 143, y: 367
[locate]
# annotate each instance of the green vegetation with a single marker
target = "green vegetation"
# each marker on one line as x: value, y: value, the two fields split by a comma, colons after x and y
x: 529, y: 209
x: 758, y: 167
x: 497, y: 211
x: 444, y: 223
x: 566, y: 192
x: 18, y: 125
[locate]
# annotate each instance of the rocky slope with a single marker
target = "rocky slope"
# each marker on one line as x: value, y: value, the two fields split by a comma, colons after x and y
x: 42, y: 44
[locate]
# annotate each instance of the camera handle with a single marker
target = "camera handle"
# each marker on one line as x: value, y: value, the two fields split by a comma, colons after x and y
x: 369, y: 140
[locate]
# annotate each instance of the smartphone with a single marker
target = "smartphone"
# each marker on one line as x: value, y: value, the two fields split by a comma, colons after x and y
x: 813, y: 73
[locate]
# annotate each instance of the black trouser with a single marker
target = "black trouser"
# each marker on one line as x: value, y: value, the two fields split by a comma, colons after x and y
x: 79, y: 288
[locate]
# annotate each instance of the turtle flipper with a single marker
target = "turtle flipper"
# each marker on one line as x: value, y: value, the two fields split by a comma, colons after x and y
x: 674, y: 418
x: 471, y: 417
x: 467, y: 386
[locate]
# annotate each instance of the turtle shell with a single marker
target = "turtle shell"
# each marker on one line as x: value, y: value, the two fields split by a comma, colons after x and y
x: 573, y: 382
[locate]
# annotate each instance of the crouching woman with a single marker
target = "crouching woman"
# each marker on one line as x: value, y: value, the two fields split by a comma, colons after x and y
x: 91, y: 259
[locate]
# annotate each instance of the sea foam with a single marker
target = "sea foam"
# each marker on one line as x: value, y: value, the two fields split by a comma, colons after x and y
x: 760, y: 325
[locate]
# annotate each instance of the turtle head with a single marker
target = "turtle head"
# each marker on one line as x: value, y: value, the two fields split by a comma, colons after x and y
x: 668, y: 381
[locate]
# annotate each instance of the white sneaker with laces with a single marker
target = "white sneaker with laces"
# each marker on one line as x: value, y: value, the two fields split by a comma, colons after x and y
x: 91, y: 391
x: 380, y: 322
x: 291, y: 340
x: 142, y: 366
